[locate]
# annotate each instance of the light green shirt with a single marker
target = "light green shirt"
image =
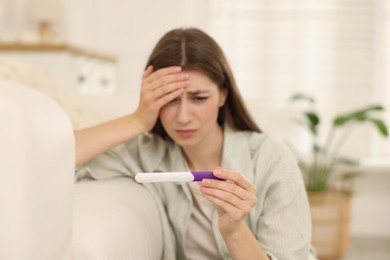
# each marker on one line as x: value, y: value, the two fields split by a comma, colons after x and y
x: 280, y: 220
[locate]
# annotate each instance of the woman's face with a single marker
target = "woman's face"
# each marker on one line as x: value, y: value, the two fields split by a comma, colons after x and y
x: 191, y: 118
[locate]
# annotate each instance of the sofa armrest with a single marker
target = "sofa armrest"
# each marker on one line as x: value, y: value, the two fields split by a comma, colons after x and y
x: 115, y: 219
x: 37, y: 162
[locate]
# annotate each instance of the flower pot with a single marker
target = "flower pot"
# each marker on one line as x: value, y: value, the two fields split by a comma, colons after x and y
x: 330, y: 213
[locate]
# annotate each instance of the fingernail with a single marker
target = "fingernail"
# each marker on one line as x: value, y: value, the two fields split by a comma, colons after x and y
x: 218, y: 171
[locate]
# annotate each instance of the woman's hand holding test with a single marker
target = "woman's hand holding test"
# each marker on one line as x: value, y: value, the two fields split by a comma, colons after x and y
x: 234, y: 198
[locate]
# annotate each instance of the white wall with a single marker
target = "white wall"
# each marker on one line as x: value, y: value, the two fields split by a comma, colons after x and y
x: 128, y: 30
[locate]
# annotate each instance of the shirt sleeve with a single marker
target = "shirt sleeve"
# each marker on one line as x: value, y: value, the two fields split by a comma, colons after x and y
x: 283, y: 227
x: 144, y: 153
x: 108, y: 165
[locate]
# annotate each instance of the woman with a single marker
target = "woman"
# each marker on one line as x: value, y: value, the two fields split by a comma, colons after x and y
x: 191, y: 117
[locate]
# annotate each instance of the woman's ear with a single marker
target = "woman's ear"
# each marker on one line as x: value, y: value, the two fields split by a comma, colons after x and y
x: 222, y: 97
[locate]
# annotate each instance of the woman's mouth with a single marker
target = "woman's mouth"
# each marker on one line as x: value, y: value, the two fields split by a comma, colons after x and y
x: 186, y: 133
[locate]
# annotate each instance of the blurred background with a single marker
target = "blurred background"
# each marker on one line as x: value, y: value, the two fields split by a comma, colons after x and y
x: 335, y: 50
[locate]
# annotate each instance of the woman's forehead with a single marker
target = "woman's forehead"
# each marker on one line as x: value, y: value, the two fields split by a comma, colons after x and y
x: 199, y: 82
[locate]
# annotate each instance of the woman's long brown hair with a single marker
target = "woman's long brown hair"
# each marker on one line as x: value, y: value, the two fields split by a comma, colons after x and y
x: 193, y: 49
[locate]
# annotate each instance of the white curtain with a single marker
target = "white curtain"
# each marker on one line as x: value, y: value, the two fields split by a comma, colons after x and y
x: 383, y: 84
x: 335, y: 50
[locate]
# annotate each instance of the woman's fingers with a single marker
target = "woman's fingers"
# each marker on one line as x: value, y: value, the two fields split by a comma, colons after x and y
x: 223, y: 195
x: 169, y: 84
x: 228, y: 205
x: 236, y: 196
x: 234, y: 177
x: 227, y: 186
x: 227, y: 209
x: 235, y: 183
x: 148, y: 71
x: 159, y: 88
x: 163, y: 82
x: 230, y: 193
x: 162, y: 76
x: 164, y: 71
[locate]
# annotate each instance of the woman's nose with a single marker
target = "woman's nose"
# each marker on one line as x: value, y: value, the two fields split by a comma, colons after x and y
x: 184, y: 112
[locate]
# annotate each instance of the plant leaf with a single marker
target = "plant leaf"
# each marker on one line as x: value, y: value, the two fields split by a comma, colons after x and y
x: 312, y: 121
x: 301, y: 96
x: 359, y: 115
x: 347, y: 161
x: 341, y: 120
x: 380, y: 125
x: 317, y: 148
x: 349, y: 175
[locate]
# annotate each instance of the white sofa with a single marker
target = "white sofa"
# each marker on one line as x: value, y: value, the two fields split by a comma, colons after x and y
x: 36, y: 162
x: 44, y: 213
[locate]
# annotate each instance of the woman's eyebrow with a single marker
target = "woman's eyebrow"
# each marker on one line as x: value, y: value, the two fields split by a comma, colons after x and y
x: 197, y: 92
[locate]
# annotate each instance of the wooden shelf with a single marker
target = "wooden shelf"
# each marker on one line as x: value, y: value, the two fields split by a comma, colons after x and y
x: 53, y: 47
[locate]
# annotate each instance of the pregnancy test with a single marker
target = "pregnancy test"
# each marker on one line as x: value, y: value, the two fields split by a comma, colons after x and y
x: 173, y: 176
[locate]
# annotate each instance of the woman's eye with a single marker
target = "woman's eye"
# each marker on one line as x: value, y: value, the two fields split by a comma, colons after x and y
x: 200, y: 98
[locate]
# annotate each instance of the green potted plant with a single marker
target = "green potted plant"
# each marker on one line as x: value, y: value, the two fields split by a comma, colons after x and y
x: 328, y: 175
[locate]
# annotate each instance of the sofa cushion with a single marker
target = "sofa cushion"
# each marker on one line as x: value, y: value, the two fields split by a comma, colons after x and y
x: 115, y: 219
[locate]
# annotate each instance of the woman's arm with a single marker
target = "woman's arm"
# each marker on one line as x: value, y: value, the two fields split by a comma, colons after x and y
x: 243, y: 245
x: 95, y: 140
x: 158, y: 88
x: 234, y: 198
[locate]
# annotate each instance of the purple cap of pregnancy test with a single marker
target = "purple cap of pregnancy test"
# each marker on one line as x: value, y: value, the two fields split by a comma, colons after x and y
x: 199, y: 176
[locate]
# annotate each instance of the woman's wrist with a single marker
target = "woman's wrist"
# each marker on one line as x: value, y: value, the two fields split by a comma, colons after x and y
x: 233, y: 231
x: 241, y: 243
x: 140, y: 124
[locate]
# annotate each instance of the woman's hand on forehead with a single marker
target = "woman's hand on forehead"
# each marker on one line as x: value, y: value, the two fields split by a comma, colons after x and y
x: 159, y: 88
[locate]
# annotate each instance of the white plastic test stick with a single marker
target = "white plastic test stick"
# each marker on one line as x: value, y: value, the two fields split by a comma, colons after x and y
x: 146, y: 177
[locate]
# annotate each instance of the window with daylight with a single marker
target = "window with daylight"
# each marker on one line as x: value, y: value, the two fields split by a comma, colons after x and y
x: 336, y: 50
